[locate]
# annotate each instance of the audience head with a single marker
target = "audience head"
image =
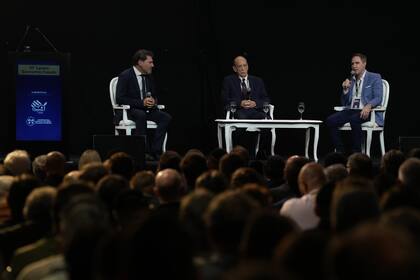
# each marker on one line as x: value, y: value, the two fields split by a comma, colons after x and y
x: 391, y: 162
x: 229, y: 163
x: 169, y: 159
x: 414, y: 152
x: 225, y: 219
x: 88, y: 156
x: 245, y: 175
x: 409, y: 173
x: 242, y: 152
x: 213, y: 181
x: 359, y: 164
x: 168, y: 185
x: 335, y: 173
x: 350, y: 192
x: 213, y: 158
x: 193, y: 164
x: 55, y: 163
x: 122, y: 164
x: 109, y: 187
x: 144, y: 182
x: 93, y: 172
x: 311, y: 177
x: 291, y: 172
x: 20, y: 188
x: 274, y: 170
x: 39, y: 206
x: 38, y: 167
x: 373, y: 252
x: 17, y: 162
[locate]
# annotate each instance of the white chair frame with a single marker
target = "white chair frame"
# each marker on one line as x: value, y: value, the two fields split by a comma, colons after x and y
x: 371, y: 126
x: 127, y: 124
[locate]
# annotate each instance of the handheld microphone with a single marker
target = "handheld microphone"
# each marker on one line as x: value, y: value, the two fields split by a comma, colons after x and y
x: 46, y: 39
x: 352, y: 74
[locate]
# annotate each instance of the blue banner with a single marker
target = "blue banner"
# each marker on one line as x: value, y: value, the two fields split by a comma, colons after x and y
x: 38, y: 100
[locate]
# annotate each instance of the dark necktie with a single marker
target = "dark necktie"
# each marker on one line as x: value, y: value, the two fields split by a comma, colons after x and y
x: 143, y: 86
x: 244, y: 88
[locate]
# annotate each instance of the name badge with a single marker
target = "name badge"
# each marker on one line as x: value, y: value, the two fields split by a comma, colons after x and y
x: 355, y: 103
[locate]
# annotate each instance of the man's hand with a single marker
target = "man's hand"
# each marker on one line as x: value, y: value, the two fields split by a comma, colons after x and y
x: 346, y: 85
x: 248, y: 104
x: 149, y: 102
x: 364, y: 114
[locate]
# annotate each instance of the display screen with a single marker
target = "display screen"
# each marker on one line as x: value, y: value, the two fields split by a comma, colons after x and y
x: 38, y: 100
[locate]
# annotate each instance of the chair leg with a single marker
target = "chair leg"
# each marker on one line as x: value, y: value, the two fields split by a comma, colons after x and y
x: 164, y: 142
x: 128, y: 131
x: 116, y: 132
x: 368, y: 141
x: 381, y: 139
x: 273, y: 140
x: 258, y: 144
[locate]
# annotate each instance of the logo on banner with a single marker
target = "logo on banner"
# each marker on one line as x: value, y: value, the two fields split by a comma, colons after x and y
x: 38, y: 106
x: 30, y: 121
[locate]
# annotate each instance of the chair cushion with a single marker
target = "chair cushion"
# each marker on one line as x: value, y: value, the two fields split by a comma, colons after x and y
x: 128, y: 122
x: 365, y: 124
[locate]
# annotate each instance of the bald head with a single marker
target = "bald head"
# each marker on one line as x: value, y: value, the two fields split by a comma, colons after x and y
x: 168, y: 185
x: 409, y: 172
x: 240, y: 66
x: 311, y: 177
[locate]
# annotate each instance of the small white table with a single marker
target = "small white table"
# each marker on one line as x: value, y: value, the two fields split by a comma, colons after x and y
x: 230, y: 124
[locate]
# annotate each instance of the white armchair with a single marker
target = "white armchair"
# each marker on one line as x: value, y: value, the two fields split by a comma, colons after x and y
x: 125, y: 123
x: 273, y: 130
x: 371, y: 125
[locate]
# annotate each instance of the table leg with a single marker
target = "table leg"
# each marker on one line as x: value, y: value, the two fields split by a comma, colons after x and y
x: 228, y: 138
x: 219, y: 135
x: 307, y: 139
x: 316, y: 137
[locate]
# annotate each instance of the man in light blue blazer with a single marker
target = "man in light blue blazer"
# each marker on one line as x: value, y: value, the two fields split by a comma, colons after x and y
x: 362, y: 92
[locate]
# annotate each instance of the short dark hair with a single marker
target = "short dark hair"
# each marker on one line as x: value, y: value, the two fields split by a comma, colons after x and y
x: 362, y: 56
x: 142, y: 55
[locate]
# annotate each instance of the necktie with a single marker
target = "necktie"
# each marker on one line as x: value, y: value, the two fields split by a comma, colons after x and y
x: 143, y: 86
x: 357, y: 88
x: 243, y: 87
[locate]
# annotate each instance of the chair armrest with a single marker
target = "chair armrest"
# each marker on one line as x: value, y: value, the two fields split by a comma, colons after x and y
x: 339, y: 108
x: 379, y: 109
x: 121, y: 107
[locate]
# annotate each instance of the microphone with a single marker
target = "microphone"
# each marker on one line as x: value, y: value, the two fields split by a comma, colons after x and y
x: 46, y: 39
x: 25, y: 34
x: 352, y: 74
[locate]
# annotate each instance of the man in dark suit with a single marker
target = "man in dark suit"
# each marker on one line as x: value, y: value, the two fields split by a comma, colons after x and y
x: 136, y: 88
x: 245, y: 91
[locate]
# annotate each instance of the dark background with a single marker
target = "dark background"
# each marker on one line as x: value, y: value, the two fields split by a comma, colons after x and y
x: 301, y: 49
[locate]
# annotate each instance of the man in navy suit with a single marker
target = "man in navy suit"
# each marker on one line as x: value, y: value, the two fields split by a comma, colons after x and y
x: 136, y: 88
x: 245, y: 91
x: 362, y: 92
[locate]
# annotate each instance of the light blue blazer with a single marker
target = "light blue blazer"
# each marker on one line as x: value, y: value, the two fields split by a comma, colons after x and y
x: 372, y: 93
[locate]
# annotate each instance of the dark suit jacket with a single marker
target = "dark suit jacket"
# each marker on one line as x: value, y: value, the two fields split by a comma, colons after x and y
x: 128, y: 90
x: 231, y: 90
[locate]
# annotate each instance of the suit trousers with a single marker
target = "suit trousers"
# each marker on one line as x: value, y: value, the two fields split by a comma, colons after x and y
x: 162, y: 119
x: 248, y: 139
x: 336, y: 120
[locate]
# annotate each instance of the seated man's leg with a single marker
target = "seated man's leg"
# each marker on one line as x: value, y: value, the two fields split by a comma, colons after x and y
x: 139, y: 117
x: 335, y: 121
x: 162, y: 119
x: 253, y: 136
x: 356, y: 131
